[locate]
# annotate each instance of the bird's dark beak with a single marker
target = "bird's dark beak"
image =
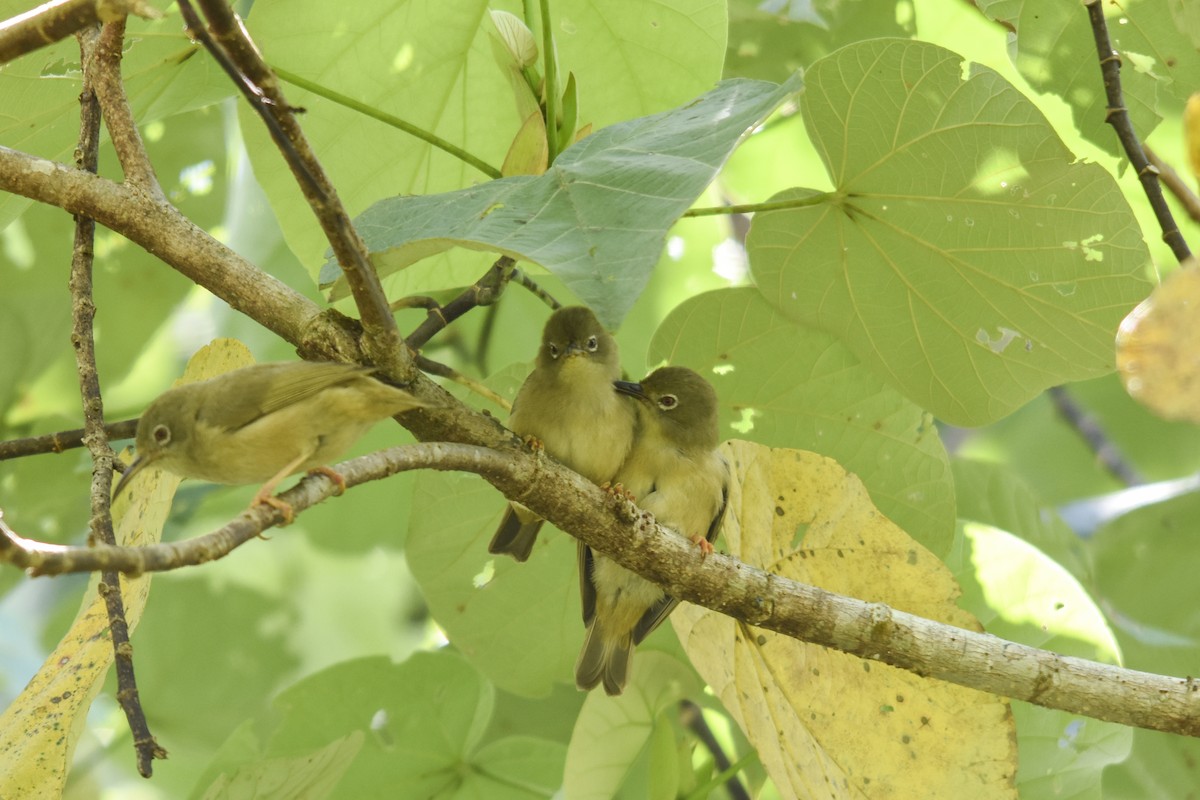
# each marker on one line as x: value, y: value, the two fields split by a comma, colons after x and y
x: 137, y: 465
x: 574, y: 350
x: 630, y: 388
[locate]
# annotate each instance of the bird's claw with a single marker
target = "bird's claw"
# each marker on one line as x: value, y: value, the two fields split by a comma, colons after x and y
x: 534, y: 444
x: 339, y: 480
x: 704, y: 544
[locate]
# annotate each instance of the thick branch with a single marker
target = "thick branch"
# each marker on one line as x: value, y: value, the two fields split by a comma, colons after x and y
x: 722, y: 583
x: 56, y: 20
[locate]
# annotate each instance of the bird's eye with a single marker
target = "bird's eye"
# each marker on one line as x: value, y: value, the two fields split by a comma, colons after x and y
x: 161, y: 434
x: 553, y: 348
x: 593, y: 344
x: 667, y: 402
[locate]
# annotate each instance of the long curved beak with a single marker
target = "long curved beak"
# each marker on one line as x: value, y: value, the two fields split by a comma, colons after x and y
x: 136, y: 466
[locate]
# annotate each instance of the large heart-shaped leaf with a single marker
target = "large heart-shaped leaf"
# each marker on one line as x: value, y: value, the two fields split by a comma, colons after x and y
x: 964, y: 253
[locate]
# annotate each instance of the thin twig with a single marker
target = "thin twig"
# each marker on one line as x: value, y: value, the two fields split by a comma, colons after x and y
x: 231, y: 46
x: 1170, y: 178
x: 1118, y: 116
x: 485, y: 338
x: 83, y: 312
x: 62, y: 440
x: 482, y: 292
x: 1107, y: 453
x: 431, y: 367
x: 519, y: 277
x: 692, y: 717
x: 550, y: 84
x: 54, y: 21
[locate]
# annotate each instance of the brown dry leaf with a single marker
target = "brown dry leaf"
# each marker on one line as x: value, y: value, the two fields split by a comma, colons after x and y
x: 1158, y: 347
x: 39, y: 730
x: 827, y: 724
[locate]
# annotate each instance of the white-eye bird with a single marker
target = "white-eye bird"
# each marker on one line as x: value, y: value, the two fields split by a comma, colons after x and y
x: 675, y: 472
x: 569, y: 406
x: 264, y: 422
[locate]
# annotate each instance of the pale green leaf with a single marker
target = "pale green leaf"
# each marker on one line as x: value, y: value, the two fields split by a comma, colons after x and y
x: 164, y: 74
x: 599, y: 218
x: 788, y: 385
x: 611, y: 732
x: 1055, y: 50
x: 1020, y: 594
x: 963, y: 253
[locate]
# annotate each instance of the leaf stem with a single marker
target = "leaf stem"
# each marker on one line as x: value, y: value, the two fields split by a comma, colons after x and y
x: 750, y: 208
x: 551, y: 84
x: 388, y: 119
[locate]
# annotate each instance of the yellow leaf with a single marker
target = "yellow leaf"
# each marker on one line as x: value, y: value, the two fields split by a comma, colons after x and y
x: 39, y: 730
x: 1158, y: 347
x: 827, y: 724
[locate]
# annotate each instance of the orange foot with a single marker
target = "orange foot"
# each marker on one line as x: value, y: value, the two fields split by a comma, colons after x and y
x: 534, y: 444
x: 339, y: 481
x: 618, y: 492
x: 274, y: 502
x: 704, y: 544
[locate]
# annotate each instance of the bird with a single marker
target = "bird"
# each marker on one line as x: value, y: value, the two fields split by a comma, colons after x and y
x: 569, y: 407
x: 261, y: 423
x: 675, y: 472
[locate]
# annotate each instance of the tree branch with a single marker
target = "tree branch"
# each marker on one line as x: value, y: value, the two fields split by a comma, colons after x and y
x: 231, y: 46
x: 58, y: 19
x: 719, y: 582
x: 1118, y: 117
x: 83, y: 314
x: 62, y: 440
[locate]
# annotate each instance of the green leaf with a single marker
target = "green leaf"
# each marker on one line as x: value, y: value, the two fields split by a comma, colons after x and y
x: 993, y: 494
x: 311, y: 776
x: 519, y: 624
x: 963, y: 253
x: 788, y: 385
x: 1020, y: 594
x: 423, y: 721
x: 164, y: 74
x: 631, y: 57
x: 1055, y: 51
x: 430, y: 64
x: 771, y: 40
x: 598, y: 219
x: 612, y: 732
x: 1146, y: 579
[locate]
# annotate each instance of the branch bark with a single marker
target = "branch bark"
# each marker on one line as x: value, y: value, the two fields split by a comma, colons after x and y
x: 58, y: 19
x: 720, y: 582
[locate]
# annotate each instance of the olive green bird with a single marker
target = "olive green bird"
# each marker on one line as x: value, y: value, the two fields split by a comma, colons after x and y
x: 568, y: 406
x: 264, y: 422
x: 675, y: 472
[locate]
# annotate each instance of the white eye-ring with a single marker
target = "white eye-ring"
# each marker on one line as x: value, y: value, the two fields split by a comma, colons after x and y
x: 161, y: 434
x: 593, y: 344
x: 668, y: 402
x: 552, y: 348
